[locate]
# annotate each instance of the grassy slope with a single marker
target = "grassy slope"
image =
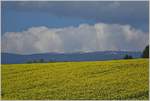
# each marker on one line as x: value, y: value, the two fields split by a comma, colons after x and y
x: 118, y: 79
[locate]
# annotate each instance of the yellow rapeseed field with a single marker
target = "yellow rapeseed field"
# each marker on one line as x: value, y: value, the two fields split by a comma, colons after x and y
x: 103, y: 80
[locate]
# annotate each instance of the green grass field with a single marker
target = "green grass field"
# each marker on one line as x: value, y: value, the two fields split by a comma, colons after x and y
x: 103, y: 80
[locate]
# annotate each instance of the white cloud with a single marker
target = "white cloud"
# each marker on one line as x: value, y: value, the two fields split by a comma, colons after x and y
x: 86, y: 38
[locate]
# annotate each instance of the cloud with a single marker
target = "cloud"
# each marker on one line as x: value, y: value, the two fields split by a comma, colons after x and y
x: 135, y: 13
x: 85, y: 38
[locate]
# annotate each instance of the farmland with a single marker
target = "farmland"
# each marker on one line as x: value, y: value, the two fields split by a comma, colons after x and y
x: 103, y: 80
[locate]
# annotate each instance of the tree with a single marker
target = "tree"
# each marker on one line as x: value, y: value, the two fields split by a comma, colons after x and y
x: 34, y: 61
x: 127, y: 56
x: 29, y: 62
x: 146, y: 52
x: 41, y: 60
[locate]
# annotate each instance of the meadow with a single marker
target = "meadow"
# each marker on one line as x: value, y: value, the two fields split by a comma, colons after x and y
x: 103, y: 80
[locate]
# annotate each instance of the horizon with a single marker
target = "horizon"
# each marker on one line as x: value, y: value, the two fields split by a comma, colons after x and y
x: 73, y: 52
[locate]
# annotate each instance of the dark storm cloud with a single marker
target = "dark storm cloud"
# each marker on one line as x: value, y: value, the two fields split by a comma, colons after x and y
x: 135, y: 13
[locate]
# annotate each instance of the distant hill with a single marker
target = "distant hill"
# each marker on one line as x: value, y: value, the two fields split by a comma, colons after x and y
x: 8, y: 58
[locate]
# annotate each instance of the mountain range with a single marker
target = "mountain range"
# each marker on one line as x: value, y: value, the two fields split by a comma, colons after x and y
x: 9, y: 58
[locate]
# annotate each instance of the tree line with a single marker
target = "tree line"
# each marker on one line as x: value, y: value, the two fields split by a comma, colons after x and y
x: 39, y: 61
x: 145, y: 54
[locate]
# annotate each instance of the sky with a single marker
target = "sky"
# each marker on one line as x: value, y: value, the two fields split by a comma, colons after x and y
x: 30, y: 27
